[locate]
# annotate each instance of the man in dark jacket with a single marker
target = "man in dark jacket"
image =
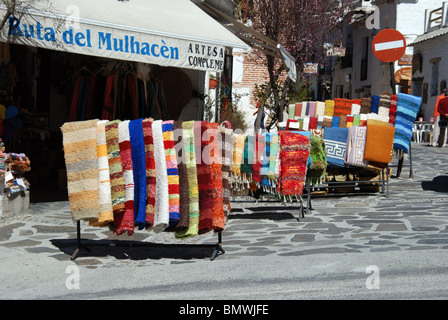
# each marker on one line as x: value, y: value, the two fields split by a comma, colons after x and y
x: 442, y: 108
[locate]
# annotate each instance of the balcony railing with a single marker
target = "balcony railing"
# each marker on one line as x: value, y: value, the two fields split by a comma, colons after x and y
x: 436, y: 18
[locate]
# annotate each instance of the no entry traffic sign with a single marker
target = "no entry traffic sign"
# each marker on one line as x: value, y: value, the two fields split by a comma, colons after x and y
x: 389, y: 45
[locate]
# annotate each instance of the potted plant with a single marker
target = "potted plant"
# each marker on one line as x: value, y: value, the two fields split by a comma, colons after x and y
x: 213, y: 82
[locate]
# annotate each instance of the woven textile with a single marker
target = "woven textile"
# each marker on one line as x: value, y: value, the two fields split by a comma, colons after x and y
x: 343, y: 121
x: 115, y: 167
x: 350, y: 119
x: 313, y: 123
x: 316, y: 171
x: 384, y: 105
x: 265, y: 160
x: 184, y: 200
x: 365, y: 105
x: 79, y: 141
x: 218, y: 222
x: 126, y: 223
x: 329, y: 108
x: 188, y: 138
x: 172, y: 173
x: 379, y: 143
x: 356, y: 119
x: 274, y: 154
x: 294, y: 153
x: 139, y: 171
x: 258, y: 152
x: 227, y: 157
x: 328, y: 122
x: 291, y: 112
x: 356, y: 141
x: 407, y: 110
x: 356, y: 106
x: 161, y: 214
x: 305, y: 109
x: 393, y: 109
x: 318, y: 132
x: 298, y: 110
x: 105, y: 214
x: 320, y: 109
x: 204, y: 182
x: 335, y: 122
x: 150, y: 172
x: 336, y: 145
x: 320, y: 122
x: 238, y: 151
x: 374, y: 104
x: 342, y: 107
x: 312, y: 109
x: 248, y: 156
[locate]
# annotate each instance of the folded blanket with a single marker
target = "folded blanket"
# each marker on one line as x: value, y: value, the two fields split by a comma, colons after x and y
x: 298, y: 110
x: 79, y: 141
x: 139, y: 171
x: 248, y: 154
x: 335, y: 122
x: 379, y: 143
x: 343, y: 121
x: 342, y: 106
x: 126, y: 224
x: 350, y: 119
x: 356, y: 119
x: 356, y: 141
x: 294, y: 154
x: 318, y: 132
x: 312, y: 109
x: 407, y: 110
x: 306, y: 123
x: 218, y: 219
x: 374, y: 104
x: 305, y: 109
x: 329, y: 108
x: 320, y: 122
x: 291, y: 112
x: 188, y: 138
x: 393, y: 109
x: 313, y: 123
x: 150, y: 172
x: 320, y: 109
x: 328, y: 122
x: 204, y: 182
x: 365, y: 105
x: 238, y: 151
x: 356, y: 106
x: 105, y: 215
x: 161, y: 215
x: 115, y: 167
x: 336, y: 145
x: 184, y: 201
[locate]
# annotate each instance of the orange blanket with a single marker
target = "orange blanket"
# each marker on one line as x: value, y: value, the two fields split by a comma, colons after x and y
x: 379, y: 143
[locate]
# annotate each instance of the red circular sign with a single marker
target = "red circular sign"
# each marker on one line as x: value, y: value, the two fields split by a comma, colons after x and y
x: 389, y: 45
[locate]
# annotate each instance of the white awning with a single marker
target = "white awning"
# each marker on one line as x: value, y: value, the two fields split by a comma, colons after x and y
x: 168, y: 33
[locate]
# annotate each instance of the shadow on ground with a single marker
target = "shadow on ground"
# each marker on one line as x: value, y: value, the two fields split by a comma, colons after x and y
x: 438, y: 184
x: 134, y: 250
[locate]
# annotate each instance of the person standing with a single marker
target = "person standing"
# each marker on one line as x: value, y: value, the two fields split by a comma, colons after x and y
x: 442, y: 109
x: 436, y: 130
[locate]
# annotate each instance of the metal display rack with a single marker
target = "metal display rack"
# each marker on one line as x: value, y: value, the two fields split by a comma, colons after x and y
x: 217, y: 248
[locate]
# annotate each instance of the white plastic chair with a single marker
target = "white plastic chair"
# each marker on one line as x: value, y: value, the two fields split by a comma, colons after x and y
x: 426, y: 132
x: 416, y: 133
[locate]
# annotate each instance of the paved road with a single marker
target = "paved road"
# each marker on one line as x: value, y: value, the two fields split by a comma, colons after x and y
x: 347, y: 247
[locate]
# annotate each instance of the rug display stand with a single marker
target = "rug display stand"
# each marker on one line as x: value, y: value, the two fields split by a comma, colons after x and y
x: 400, y: 164
x: 383, y: 183
x: 217, y: 248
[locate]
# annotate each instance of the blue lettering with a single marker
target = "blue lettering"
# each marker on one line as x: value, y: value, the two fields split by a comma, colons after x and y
x: 116, y: 42
x: 174, y: 53
x: 145, y: 49
x: 153, y: 50
x: 78, y: 39
x: 135, y: 46
x: 163, y: 50
x: 104, y: 39
x: 67, y: 36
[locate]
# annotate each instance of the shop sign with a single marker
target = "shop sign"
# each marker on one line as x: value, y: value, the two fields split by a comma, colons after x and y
x: 310, y: 68
x: 335, y: 52
x: 114, y: 43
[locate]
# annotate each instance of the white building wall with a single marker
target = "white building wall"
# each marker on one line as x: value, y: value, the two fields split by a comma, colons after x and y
x: 431, y: 50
